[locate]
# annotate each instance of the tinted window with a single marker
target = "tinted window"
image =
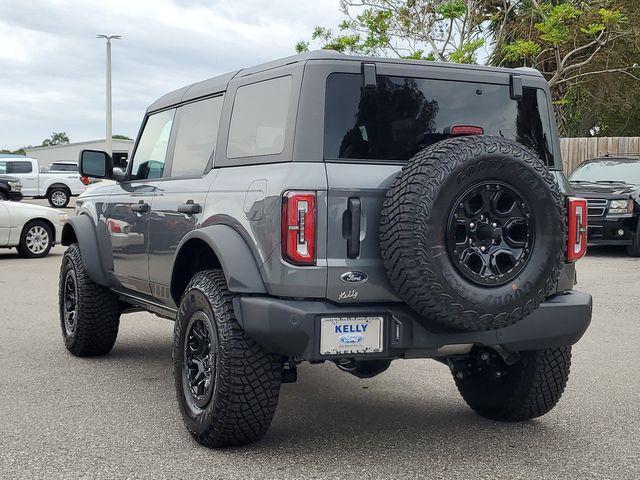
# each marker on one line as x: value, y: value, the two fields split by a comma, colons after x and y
x: 259, y: 118
x: 197, y: 125
x: 16, y: 167
x: 63, y: 167
x: 148, y: 161
x: 404, y: 115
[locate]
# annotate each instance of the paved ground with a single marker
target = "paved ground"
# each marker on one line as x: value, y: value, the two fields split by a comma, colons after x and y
x: 116, y: 417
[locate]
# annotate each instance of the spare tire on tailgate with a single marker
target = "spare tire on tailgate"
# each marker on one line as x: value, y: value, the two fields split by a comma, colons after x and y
x: 473, y: 232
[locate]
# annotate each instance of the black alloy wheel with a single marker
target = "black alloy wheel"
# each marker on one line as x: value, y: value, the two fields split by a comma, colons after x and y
x: 198, y: 372
x: 490, y: 234
x: 70, y: 302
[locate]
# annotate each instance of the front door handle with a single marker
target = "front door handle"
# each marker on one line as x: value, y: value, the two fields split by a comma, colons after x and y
x: 189, y: 208
x: 140, y: 207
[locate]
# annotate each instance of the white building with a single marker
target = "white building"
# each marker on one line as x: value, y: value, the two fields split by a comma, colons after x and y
x: 70, y: 152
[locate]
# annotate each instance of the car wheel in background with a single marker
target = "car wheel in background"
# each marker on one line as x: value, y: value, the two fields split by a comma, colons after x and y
x: 633, y: 250
x: 3, y: 196
x: 227, y: 385
x: 58, y: 197
x: 89, y: 313
x: 36, y: 239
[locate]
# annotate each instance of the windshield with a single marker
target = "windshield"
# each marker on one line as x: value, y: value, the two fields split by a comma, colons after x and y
x: 614, y: 170
x: 403, y: 115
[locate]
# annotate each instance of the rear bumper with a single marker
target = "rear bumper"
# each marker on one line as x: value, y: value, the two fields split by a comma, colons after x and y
x: 292, y: 327
x: 612, y: 230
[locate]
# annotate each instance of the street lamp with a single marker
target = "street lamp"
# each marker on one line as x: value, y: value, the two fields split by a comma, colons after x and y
x: 107, y: 140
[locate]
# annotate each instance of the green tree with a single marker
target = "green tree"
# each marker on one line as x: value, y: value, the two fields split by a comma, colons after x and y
x: 57, y: 138
x: 120, y: 137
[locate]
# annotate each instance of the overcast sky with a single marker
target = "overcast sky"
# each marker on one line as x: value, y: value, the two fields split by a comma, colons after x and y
x: 52, y: 68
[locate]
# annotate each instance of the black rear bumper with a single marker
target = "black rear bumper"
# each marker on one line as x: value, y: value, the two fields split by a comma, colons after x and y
x: 292, y: 327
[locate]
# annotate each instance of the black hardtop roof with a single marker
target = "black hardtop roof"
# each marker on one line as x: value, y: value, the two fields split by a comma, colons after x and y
x: 219, y: 83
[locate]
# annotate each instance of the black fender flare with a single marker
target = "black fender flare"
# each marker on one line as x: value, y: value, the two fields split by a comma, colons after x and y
x: 81, y: 230
x: 236, y: 259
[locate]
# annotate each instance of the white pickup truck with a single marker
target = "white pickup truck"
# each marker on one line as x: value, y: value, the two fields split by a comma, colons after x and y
x: 57, y: 187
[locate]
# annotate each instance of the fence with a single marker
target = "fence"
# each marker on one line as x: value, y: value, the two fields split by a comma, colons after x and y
x: 577, y: 150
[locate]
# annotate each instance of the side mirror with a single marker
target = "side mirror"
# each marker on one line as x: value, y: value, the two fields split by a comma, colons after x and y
x: 95, y: 164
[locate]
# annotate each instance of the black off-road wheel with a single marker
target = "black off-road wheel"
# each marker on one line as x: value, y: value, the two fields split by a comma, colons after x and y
x: 527, y: 389
x: 89, y: 313
x: 473, y: 233
x: 227, y: 386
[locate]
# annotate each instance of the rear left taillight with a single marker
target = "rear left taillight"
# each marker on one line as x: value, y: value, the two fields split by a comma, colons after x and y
x: 577, y: 246
x: 299, y: 228
x: 85, y: 180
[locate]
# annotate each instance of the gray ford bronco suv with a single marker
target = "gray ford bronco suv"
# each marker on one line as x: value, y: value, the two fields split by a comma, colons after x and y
x: 325, y: 207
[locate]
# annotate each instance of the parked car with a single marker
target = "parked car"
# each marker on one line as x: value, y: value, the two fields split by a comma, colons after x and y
x: 56, y: 187
x: 31, y: 229
x: 325, y: 207
x: 611, y: 186
x: 63, y: 167
x: 10, y: 188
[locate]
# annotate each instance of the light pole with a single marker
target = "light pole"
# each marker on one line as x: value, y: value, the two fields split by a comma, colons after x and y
x: 107, y: 139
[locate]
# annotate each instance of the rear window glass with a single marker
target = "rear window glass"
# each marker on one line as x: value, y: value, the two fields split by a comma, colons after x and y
x: 63, y: 167
x: 259, y: 118
x: 404, y: 115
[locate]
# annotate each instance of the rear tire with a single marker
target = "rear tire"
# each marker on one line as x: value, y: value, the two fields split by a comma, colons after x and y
x: 89, y: 313
x: 514, y: 393
x: 227, y: 386
x: 58, y: 197
x: 36, y: 240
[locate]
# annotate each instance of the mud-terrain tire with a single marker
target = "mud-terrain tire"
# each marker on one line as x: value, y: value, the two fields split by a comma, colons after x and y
x: 528, y: 389
x: 429, y: 202
x: 236, y: 404
x: 89, y: 313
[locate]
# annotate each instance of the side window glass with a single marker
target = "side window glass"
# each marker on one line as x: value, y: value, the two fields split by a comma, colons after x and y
x: 3, y: 167
x: 19, y: 167
x: 259, y: 118
x: 151, y: 152
x: 197, y: 125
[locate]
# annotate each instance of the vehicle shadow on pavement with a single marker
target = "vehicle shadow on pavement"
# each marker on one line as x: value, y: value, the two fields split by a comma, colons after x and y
x: 607, y: 251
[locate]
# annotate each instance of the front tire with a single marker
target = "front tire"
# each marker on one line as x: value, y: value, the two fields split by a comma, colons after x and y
x: 58, y: 197
x: 633, y: 250
x: 36, y: 240
x: 513, y: 393
x: 227, y: 386
x: 89, y: 313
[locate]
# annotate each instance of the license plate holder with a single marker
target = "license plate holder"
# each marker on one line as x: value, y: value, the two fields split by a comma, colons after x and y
x: 351, y: 335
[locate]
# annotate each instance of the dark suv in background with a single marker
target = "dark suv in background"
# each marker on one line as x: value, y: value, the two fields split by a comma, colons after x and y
x: 331, y: 208
x: 611, y: 185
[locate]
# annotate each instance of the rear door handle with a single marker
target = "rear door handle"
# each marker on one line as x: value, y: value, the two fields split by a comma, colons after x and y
x: 351, y: 227
x: 189, y: 208
x: 140, y: 207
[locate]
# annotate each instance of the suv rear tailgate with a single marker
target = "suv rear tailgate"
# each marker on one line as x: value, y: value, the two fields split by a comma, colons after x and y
x: 367, y: 185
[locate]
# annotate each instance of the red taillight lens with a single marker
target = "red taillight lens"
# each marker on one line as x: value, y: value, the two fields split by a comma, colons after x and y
x: 299, y: 227
x: 85, y: 180
x: 577, y: 229
x: 466, y: 130
x: 113, y: 226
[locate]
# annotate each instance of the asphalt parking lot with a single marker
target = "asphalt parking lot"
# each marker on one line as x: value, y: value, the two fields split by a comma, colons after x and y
x: 116, y: 417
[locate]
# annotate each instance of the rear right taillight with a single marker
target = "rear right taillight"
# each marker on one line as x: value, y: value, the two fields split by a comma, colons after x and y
x: 299, y: 228
x: 85, y: 180
x: 577, y: 245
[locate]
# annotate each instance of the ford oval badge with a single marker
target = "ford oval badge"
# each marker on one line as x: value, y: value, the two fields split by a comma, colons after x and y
x: 353, y: 277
